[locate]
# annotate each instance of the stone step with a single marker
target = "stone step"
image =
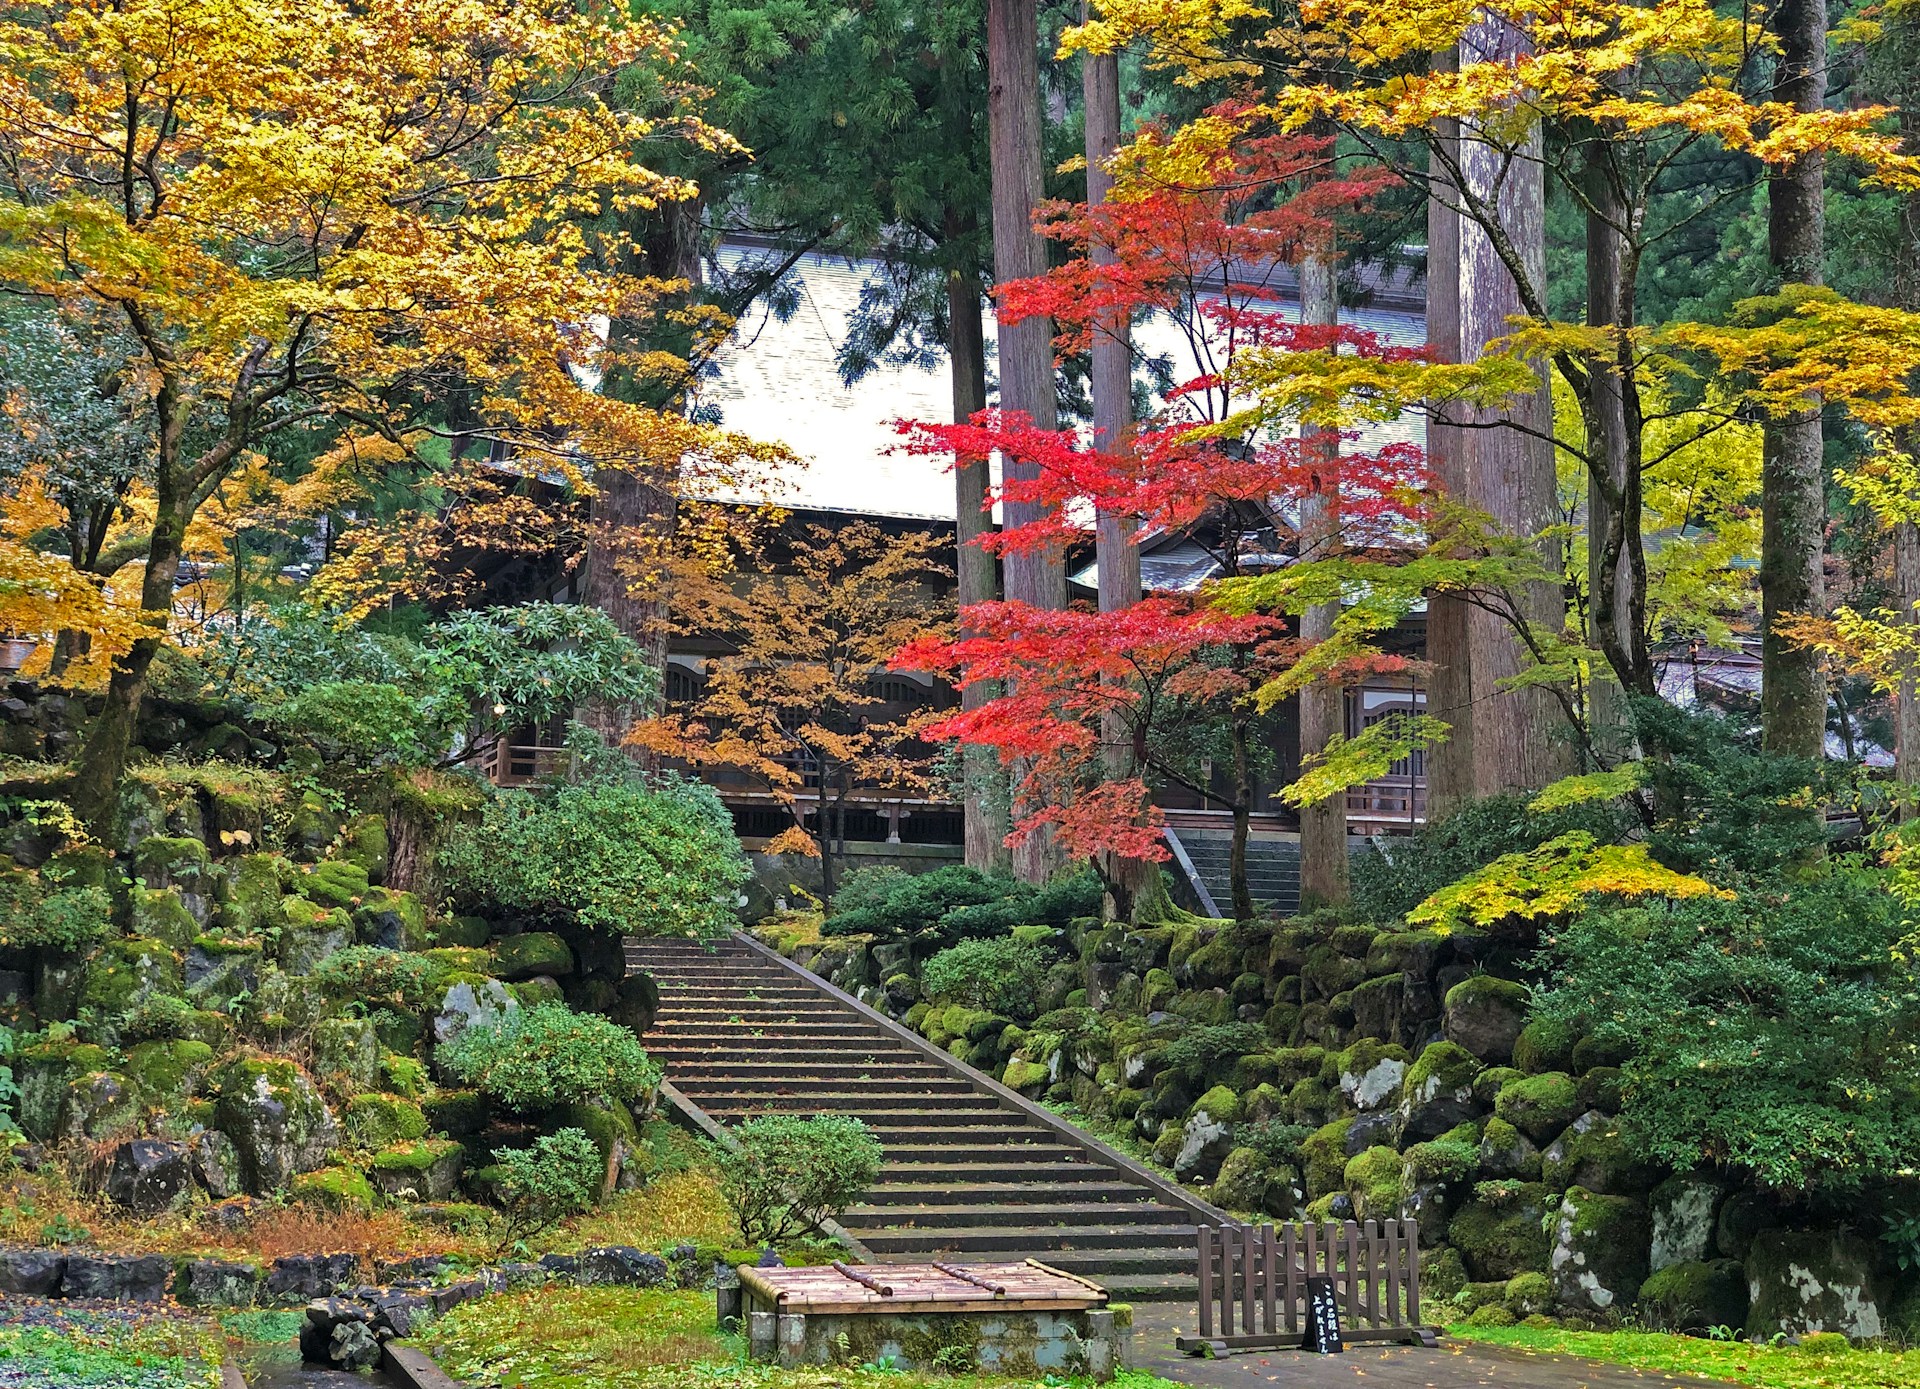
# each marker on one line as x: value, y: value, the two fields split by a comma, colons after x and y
x: 972, y: 1213
x: 1120, y: 1252
x: 889, y: 1194
x: 880, y: 1108
x: 959, y: 1147
x: 750, y: 1073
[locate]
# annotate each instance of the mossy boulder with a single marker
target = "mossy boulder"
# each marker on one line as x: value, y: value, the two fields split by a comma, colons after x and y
x: 538, y: 990
x: 44, y: 1071
x: 333, y: 1189
x: 1207, y: 1135
x: 403, y: 1075
x: 457, y: 1113
x: 1145, y: 949
x: 1437, y: 1092
x: 612, y: 1130
x: 1324, y: 1153
x: 1245, y: 1181
x: 1696, y: 1296
x: 335, y: 883
x: 163, y: 861
x: 1602, y: 1088
x: 1544, y: 1045
x: 1592, y: 1052
x: 1487, y: 1085
x: 1412, y: 954
x: 364, y: 843
x: 346, y: 1052
x: 379, y: 1121
x: 1528, y: 1295
x: 279, y: 1124
x: 1507, y: 1152
x: 1593, y: 1153
x: 391, y: 920
x: 167, y: 1072
x: 1370, y: 1073
x: 159, y: 914
x: 1684, y: 1208
x: 1327, y: 972
x: 532, y: 953
x: 1372, y: 1179
x: 255, y: 885
x: 1499, y: 1233
x: 425, y: 1170
x: 1381, y: 1008
x: 221, y: 969
x: 1030, y: 1078
x: 129, y: 971
x: 1600, y: 1244
x: 1803, y: 1281
x: 1539, y: 1106
x: 472, y: 932
x: 1485, y: 1015
x: 312, y: 828
x: 310, y: 934
x: 1311, y: 1102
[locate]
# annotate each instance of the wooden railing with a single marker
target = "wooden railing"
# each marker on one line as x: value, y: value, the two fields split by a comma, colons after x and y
x: 517, y: 764
x: 1254, y: 1284
x: 1389, y: 801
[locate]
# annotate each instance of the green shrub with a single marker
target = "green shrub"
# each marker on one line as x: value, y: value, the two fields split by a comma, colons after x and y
x: 1001, y: 976
x: 1200, y: 1049
x: 34, y: 914
x: 378, y: 978
x: 790, y: 1172
x: 655, y: 857
x: 158, y: 1017
x: 1397, y: 875
x: 538, y: 1187
x: 957, y: 903
x: 1771, y: 1033
x: 548, y: 1055
x: 865, y: 887
x: 1276, y: 1140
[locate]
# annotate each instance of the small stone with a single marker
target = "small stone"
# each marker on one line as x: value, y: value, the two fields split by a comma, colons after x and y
x: 624, y: 1266
x: 148, y: 1175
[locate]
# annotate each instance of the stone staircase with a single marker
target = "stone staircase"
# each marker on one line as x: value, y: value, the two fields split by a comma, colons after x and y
x: 1273, y: 869
x: 972, y: 1170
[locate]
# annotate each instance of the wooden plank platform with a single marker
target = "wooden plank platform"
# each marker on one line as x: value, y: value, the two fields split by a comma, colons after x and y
x: 937, y: 1286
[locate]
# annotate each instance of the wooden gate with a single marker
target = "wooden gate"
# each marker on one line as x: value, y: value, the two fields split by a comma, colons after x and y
x: 1253, y: 1284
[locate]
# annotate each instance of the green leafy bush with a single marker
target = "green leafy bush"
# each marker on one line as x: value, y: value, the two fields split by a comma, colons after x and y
x: 1003, y: 975
x: 9, y: 1091
x: 365, y: 722
x: 955, y: 903
x: 37, y: 915
x: 157, y: 1018
x: 1276, y: 1140
x: 865, y: 887
x: 548, y: 1055
x: 538, y: 1187
x: 375, y: 978
x: 1200, y: 1049
x: 1771, y: 1033
x: 651, y: 858
x: 791, y: 1172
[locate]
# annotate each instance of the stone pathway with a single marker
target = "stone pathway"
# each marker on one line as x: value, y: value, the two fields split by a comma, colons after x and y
x: 1456, y: 1365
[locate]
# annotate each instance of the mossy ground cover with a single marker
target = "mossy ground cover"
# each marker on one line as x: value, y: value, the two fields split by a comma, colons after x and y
x: 95, y: 1350
x: 1737, y: 1362
x: 620, y: 1338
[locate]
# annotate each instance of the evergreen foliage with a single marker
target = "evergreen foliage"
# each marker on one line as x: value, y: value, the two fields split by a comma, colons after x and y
x: 955, y: 903
x: 539, y: 1186
x: 1000, y: 975
x: 788, y: 1173
x: 542, y: 1057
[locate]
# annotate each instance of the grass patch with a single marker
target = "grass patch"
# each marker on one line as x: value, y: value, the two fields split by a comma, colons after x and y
x: 620, y: 1338
x: 155, y: 1355
x: 1760, y: 1367
x: 682, y: 1207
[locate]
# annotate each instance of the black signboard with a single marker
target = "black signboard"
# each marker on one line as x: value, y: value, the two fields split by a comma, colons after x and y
x: 1323, y: 1319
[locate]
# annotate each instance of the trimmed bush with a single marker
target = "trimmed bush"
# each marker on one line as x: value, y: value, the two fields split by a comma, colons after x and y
x: 788, y: 1173
x: 538, y: 1187
x: 1004, y: 975
x: 548, y: 1055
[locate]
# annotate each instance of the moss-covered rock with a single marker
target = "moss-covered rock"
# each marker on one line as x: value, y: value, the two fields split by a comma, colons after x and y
x: 1544, y: 1045
x: 1684, y: 1208
x: 312, y: 828
x: 457, y: 1113
x: 1370, y: 1073
x: 1696, y: 1296
x: 391, y: 920
x: 1600, y: 1245
x: 538, y: 990
x: 1437, y: 1093
x: 333, y: 1189
x: 1382, y: 1008
x: 1207, y: 1135
x: 536, y: 952
x: 1203, y: 1007
x: 1327, y: 972
x: 1414, y: 954
x: 1528, y: 1295
x: 403, y: 1075
x: 1243, y: 1181
x: 1372, y: 1179
x: 159, y: 914
x: 1539, y: 1106
x: 380, y: 1121
x: 1030, y: 1078
x: 1324, y: 1155
x: 1499, y: 1233
x: 1593, y: 1153
x: 279, y: 1124
x: 163, y: 861
x: 1485, y: 1015
x: 1311, y: 1102
x: 310, y: 934
x: 167, y: 1072
x: 346, y: 1052
x: 468, y: 932
x: 1803, y: 1281
x: 222, y: 969
x: 255, y: 885
x: 1487, y: 1085
x: 335, y: 883
x: 364, y: 843
x: 1592, y: 1052
x: 1507, y: 1152
x: 425, y: 1170
x: 129, y: 971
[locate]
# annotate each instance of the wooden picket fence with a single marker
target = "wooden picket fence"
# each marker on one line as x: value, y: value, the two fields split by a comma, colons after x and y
x: 1253, y: 1284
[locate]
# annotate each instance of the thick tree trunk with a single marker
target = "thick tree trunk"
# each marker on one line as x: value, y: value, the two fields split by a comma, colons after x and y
x: 1450, y: 687
x: 1520, y: 739
x: 1116, y: 552
x: 631, y: 518
x: 1243, y: 907
x: 984, y: 780
x: 1323, y: 706
x: 1026, y: 348
x: 1906, y: 534
x: 96, y: 780
x: 1793, y: 690
x: 1616, y: 573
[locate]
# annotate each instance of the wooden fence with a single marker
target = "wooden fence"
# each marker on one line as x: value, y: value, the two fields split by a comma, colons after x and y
x: 1253, y: 1284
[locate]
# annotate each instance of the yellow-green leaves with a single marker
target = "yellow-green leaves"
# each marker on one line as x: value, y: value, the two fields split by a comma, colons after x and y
x: 1553, y: 880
